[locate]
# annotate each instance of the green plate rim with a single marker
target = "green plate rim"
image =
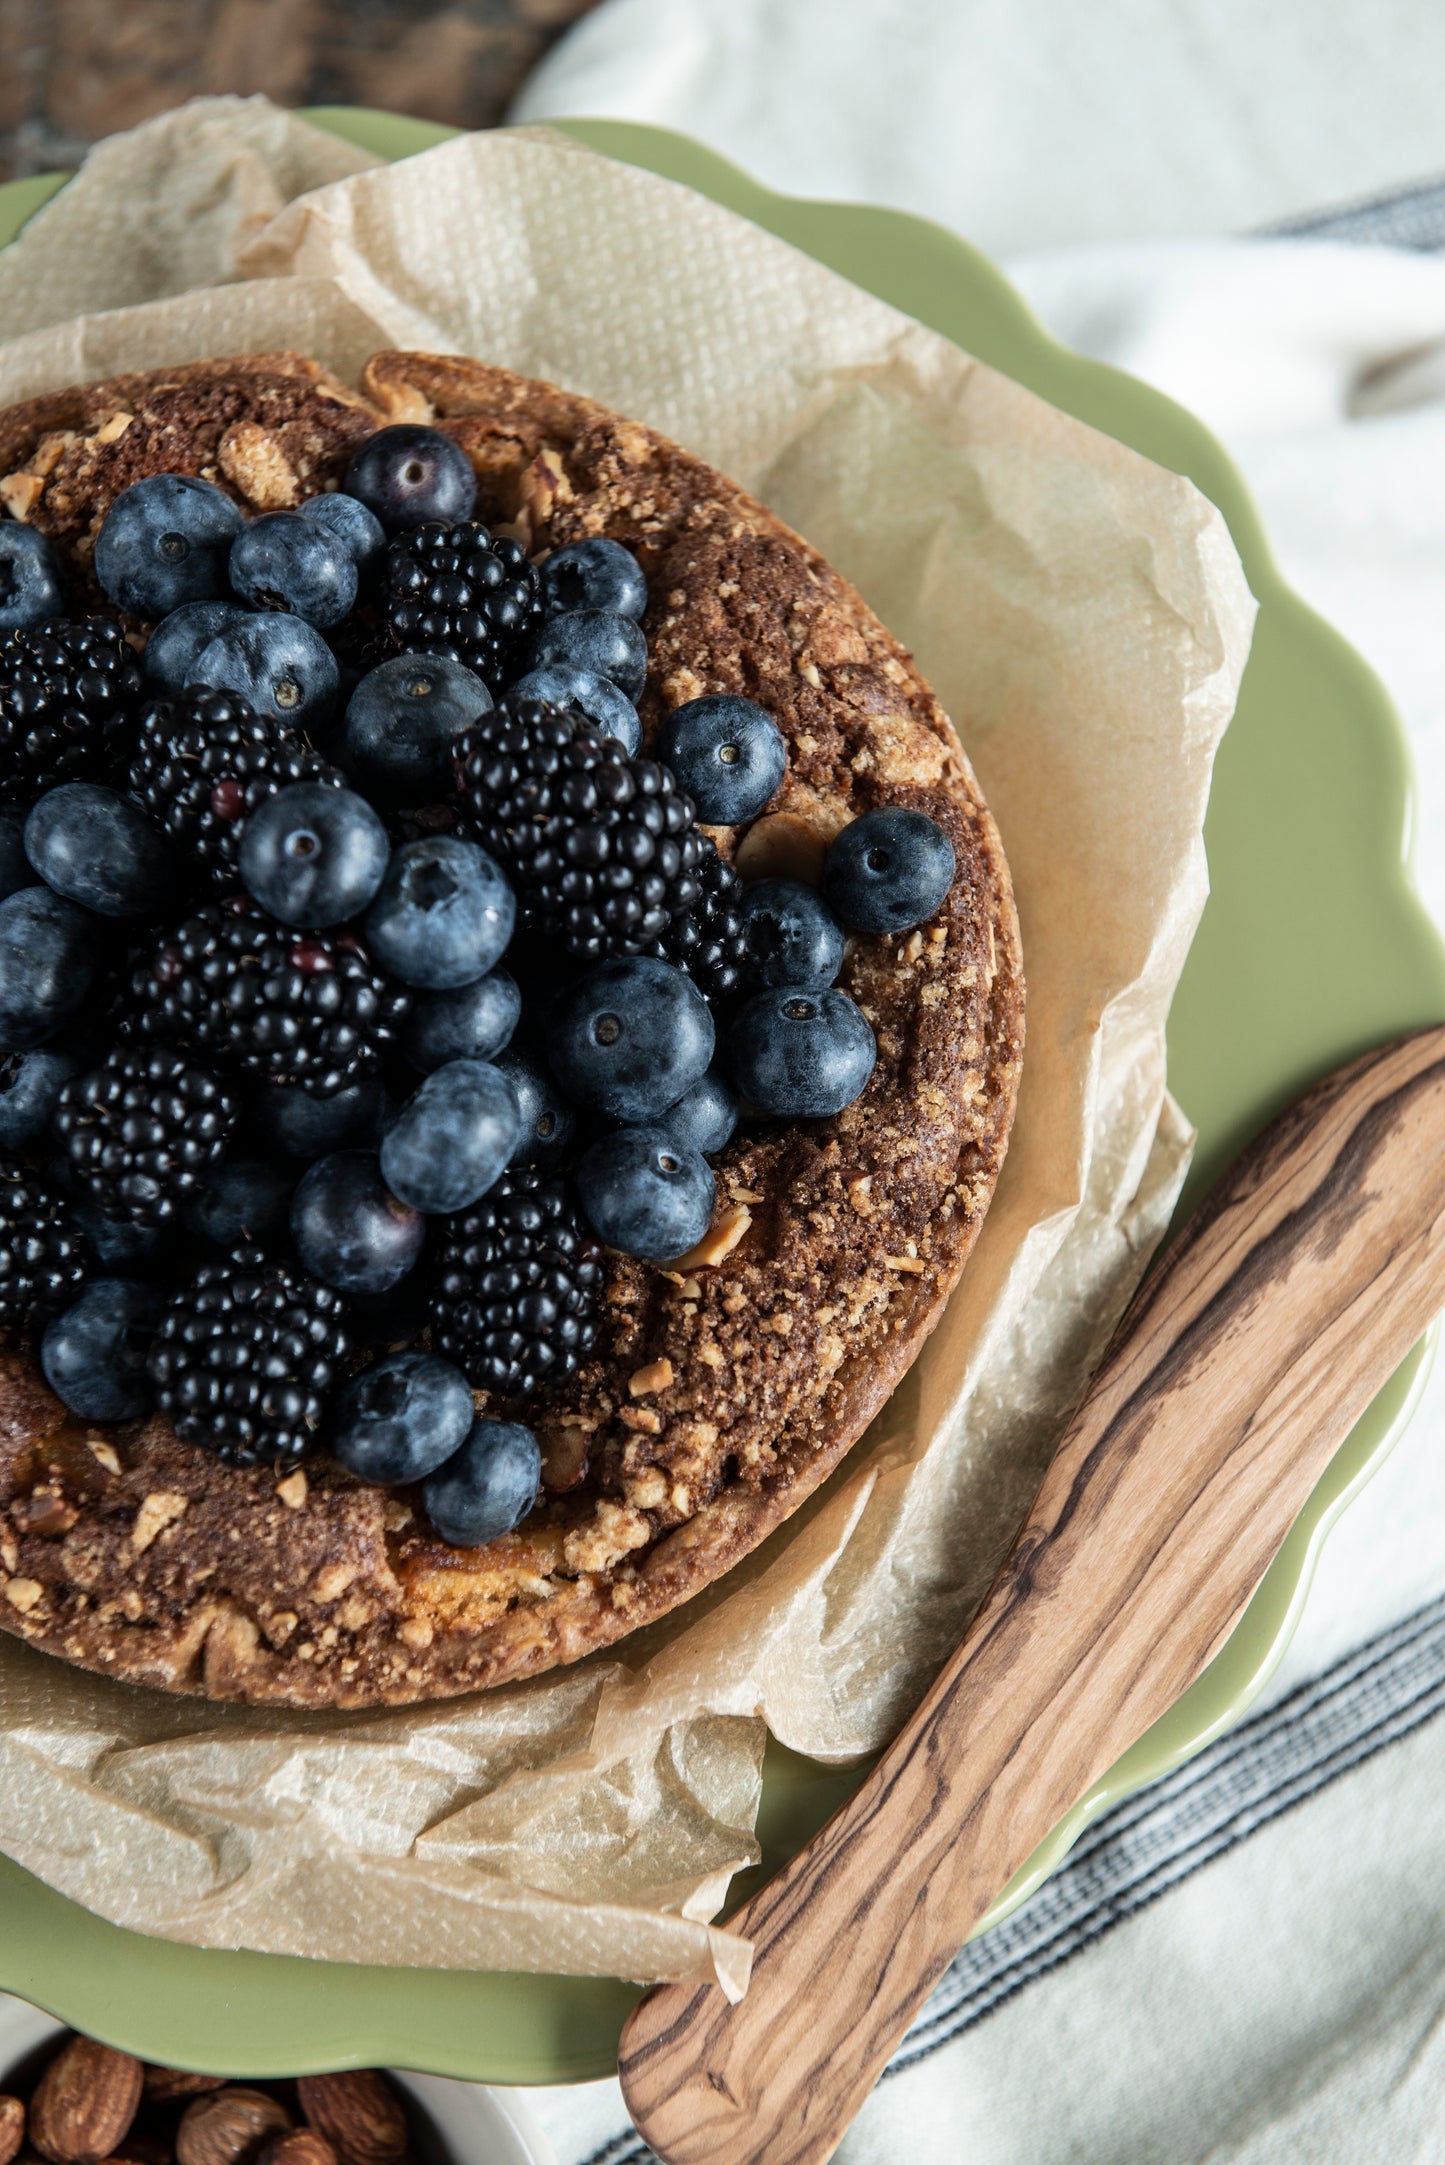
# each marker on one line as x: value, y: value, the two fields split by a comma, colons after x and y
x: 255, y: 2014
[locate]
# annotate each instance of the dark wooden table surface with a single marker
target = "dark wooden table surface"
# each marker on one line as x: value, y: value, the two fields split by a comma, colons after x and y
x: 73, y: 70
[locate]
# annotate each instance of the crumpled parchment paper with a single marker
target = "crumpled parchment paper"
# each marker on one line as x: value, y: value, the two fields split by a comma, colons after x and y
x: 1085, y: 620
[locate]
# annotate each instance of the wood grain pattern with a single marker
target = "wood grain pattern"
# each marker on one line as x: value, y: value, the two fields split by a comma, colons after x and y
x: 74, y: 70
x: 1249, y: 1352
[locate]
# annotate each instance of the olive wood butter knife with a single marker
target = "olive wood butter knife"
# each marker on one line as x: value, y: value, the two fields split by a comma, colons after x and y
x: 1246, y: 1356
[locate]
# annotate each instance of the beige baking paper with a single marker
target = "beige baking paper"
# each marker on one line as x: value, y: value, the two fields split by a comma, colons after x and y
x: 1084, y: 618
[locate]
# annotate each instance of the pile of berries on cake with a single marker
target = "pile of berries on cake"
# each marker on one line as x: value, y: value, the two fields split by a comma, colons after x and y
x: 360, y: 979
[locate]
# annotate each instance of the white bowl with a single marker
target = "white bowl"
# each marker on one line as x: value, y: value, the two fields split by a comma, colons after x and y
x: 471, y: 2124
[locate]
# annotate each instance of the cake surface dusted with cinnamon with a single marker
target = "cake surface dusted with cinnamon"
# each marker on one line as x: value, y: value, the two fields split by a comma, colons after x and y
x: 719, y: 1389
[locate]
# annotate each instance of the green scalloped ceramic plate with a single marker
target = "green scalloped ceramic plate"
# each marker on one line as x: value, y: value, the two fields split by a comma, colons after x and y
x: 1313, y: 946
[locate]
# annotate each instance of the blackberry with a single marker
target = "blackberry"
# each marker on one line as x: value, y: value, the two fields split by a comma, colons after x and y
x: 516, y: 1285
x: 70, y: 692
x: 42, y: 1258
x: 245, y: 1357
x: 142, y: 1128
x: 454, y: 590
x: 601, y: 848
x: 289, y: 1007
x: 708, y: 940
x: 202, y: 764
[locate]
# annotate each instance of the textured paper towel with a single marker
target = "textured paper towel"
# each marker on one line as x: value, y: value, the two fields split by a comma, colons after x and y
x: 1084, y: 618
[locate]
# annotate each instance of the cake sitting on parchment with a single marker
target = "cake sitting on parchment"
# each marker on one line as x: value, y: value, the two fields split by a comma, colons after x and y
x: 693, y: 1401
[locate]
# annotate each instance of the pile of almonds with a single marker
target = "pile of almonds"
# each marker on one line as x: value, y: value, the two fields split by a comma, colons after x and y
x: 93, y: 2106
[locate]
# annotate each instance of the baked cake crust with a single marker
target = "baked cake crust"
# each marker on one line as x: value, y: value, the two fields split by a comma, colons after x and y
x: 720, y: 1394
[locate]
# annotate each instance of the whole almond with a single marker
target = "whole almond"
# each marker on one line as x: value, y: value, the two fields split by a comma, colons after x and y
x: 84, y: 2103
x: 230, y: 2127
x: 12, y: 2128
x: 303, y: 2146
x: 163, y: 2085
x: 359, y: 2114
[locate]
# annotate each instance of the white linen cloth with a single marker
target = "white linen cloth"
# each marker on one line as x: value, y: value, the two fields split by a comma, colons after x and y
x: 1027, y: 123
x: 1285, y: 2000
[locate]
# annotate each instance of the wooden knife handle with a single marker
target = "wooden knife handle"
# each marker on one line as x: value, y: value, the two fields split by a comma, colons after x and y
x: 1245, y: 1358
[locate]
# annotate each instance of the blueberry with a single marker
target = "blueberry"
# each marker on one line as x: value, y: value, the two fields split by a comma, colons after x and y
x: 313, y: 855
x: 94, y: 1356
x: 548, y: 1128
x: 350, y: 1231
x: 889, y: 870
x: 280, y: 665
x: 241, y: 1200
x: 452, y: 1139
x: 98, y: 849
x: 472, y: 1022
x: 630, y: 1037
x: 727, y: 752
x: 30, y: 1083
x: 793, y: 938
x: 609, y: 645
x: 593, y: 574
x: 165, y: 541
x: 487, y: 1487
x: 403, y: 720
x: 177, y: 640
x: 704, y: 1117
x: 401, y: 1418
x: 646, y: 1193
x: 442, y: 915
x: 15, y: 871
x: 290, y: 1120
x: 349, y: 520
x: 47, y: 961
x: 32, y: 585
x: 610, y: 710
x: 284, y: 562
x: 801, y: 1054
x: 407, y: 475
x: 118, y: 1244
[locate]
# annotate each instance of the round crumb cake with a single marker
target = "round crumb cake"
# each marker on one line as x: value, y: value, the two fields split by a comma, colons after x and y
x: 719, y: 1393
